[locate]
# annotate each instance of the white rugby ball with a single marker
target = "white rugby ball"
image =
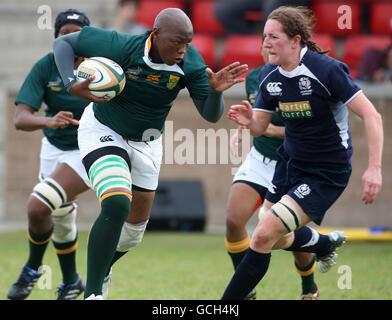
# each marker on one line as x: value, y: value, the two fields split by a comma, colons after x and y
x: 109, y: 76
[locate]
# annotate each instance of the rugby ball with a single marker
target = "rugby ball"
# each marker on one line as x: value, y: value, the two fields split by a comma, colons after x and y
x: 109, y: 76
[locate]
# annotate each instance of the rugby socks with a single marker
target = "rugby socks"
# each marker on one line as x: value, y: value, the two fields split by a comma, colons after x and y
x: 103, y: 240
x: 247, y: 275
x: 307, y: 277
x: 66, y: 253
x: 117, y: 256
x: 237, y: 250
x: 37, y: 246
x: 307, y: 239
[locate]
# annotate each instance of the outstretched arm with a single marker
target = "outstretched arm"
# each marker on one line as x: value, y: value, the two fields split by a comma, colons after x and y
x: 226, y: 77
x: 372, y: 178
x: 256, y: 121
x: 213, y: 106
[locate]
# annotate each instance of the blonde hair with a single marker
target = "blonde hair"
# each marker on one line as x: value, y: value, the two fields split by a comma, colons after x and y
x: 297, y: 21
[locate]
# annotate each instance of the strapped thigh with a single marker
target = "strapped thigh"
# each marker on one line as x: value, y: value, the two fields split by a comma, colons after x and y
x: 108, y: 168
x: 287, y: 212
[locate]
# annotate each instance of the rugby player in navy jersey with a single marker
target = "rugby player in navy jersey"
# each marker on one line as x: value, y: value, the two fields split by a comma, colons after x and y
x: 125, y: 170
x: 250, y: 185
x: 313, y: 93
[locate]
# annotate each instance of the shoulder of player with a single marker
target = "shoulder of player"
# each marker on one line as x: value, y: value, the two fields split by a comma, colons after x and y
x: 109, y: 35
x: 254, y: 73
x: 192, y: 61
x: 44, y: 66
x: 266, y: 71
x: 48, y: 59
x: 321, y: 64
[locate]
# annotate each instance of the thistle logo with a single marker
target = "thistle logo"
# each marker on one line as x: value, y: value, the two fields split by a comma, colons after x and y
x: 305, y: 86
x: 302, y: 191
x: 274, y: 89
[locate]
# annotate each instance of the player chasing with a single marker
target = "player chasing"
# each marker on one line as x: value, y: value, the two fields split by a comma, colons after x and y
x: 124, y: 170
x: 251, y: 183
x: 312, y: 92
x: 51, y: 207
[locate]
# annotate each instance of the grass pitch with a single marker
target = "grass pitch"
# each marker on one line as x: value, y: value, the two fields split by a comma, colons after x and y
x: 182, y: 266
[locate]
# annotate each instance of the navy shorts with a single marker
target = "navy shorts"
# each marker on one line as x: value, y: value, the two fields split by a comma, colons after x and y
x: 313, y: 186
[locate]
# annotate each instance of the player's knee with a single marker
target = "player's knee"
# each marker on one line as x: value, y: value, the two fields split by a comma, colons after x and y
x: 64, y: 222
x: 131, y: 235
x: 263, y: 239
x: 234, y: 223
x: 47, y: 196
x: 288, y: 213
x: 37, y: 211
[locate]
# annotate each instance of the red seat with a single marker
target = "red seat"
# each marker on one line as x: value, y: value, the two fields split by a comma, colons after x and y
x: 203, y: 18
x: 148, y: 9
x: 337, y: 17
x: 325, y: 41
x: 356, y: 45
x: 242, y: 48
x: 206, y: 46
x: 381, y: 17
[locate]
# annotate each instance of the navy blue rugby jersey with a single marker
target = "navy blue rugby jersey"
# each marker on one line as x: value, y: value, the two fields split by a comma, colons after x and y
x: 312, y: 101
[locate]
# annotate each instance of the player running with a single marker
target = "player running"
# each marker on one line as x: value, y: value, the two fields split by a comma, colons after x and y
x: 251, y: 182
x: 312, y: 92
x: 51, y: 207
x: 124, y: 170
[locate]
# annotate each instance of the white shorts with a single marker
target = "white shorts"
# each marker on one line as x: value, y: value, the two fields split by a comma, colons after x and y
x: 52, y: 156
x: 145, y: 157
x: 256, y: 168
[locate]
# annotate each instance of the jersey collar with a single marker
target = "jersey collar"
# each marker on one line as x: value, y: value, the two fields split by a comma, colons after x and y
x: 298, y: 69
x: 158, y: 66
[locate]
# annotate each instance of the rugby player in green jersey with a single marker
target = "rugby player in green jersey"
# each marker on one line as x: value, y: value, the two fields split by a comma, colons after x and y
x: 251, y: 182
x: 51, y: 207
x: 120, y: 139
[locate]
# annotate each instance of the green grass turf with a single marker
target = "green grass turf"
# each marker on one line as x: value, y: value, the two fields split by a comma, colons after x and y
x: 196, y: 266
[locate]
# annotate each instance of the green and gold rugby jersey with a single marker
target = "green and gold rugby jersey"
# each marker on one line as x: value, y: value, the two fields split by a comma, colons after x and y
x: 150, y: 88
x: 44, y: 84
x: 264, y: 144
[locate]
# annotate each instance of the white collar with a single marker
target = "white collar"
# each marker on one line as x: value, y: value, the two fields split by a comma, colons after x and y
x: 295, y: 71
x: 158, y: 66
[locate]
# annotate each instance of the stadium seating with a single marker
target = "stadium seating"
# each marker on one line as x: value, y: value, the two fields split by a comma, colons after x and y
x: 242, y: 48
x: 325, y: 41
x: 355, y: 46
x: 206, y: 46
x: 331, y: 17
x: 381, y: 17
x: 148, y: 9
x: 203, y: 18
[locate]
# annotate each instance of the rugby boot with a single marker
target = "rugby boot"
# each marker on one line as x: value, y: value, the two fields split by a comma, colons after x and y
x: 71, y: 291
x: 24, y: 284
x: 326, y: 262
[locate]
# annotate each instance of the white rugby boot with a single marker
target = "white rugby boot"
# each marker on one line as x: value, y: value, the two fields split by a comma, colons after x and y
x: 326, y: 262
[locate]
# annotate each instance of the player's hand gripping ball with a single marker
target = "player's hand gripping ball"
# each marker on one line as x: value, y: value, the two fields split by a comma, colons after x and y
x: 109, y: 76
